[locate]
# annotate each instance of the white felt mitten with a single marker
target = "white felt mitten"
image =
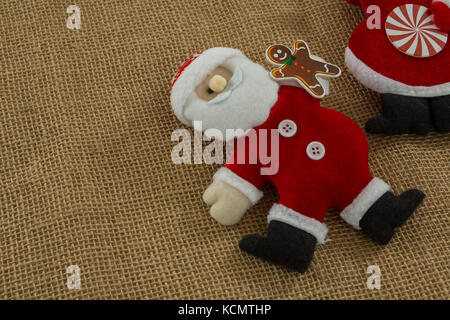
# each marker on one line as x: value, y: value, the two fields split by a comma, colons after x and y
x: 228, y: 205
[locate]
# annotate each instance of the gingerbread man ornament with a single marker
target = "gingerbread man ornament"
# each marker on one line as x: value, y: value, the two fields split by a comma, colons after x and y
x: 301, y: 68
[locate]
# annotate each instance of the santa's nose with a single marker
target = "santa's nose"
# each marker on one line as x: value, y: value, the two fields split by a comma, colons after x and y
x: 217, y: 83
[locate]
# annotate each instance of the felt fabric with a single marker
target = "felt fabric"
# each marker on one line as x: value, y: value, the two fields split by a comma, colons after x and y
x: 383, y: 84
x: 440, y: 113
x: 308, y: 186
x: 230, y: 113
x: 374, y: 50
x: 401, y: 114
x: 441, y: 10
x: 194, y: 71
x: 389, y: 213
x: 295, y: 219
x: 86, y: 175
x: 284, y: 244
x: 247, y: 188
x: 228, y: 203
x: 371, y: 193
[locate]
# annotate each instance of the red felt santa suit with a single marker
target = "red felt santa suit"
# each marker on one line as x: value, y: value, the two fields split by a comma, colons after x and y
x: 323, y: 163
x: 316, y: 158
x: 380, y: 62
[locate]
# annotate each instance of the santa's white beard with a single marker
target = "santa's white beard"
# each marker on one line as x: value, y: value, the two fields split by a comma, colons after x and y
x: 247, y: 107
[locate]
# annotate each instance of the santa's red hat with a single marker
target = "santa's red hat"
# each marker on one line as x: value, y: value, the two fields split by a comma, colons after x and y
x: 193, y: 72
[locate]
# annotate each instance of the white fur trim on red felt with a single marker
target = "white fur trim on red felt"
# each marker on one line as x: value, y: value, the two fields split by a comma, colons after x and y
x: 194, y: 74
x: 368, y: 196
x: 382, y: 84
x: 447, y: 2
x: 249, y: 190
x: 312, y: 226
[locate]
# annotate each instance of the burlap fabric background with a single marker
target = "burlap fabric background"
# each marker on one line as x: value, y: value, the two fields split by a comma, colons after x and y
x: 86, y: 176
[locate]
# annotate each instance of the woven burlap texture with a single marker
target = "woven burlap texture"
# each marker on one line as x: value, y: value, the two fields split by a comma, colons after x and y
x: 86, y: 176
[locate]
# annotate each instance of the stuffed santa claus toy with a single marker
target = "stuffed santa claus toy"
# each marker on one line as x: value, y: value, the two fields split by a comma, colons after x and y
x: 321, y: 155
x: 402, y: 51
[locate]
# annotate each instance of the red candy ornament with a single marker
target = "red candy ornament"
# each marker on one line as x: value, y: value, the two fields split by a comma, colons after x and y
x: 411, y: 29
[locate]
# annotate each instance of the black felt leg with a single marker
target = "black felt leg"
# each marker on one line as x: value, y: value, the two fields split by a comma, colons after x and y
x: 390, y: 212
x: 440, y: 113
x: 401, y: 114
x: 284, y: 245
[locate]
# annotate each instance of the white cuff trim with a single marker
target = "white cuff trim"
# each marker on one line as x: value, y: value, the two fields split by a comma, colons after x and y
x: 299, y: 221
x: 354, y: 212
x: 249, y: 190
x: 382, y: 84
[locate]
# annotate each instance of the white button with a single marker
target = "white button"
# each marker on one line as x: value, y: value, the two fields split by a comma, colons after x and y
x: 315, y: 150
x: 287, y: 128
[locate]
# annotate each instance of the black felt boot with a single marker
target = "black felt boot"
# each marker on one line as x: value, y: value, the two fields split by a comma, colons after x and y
x: 284, y: 245
x: 401, y: 114
x: 440, y: 113
x: 390, y: 212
